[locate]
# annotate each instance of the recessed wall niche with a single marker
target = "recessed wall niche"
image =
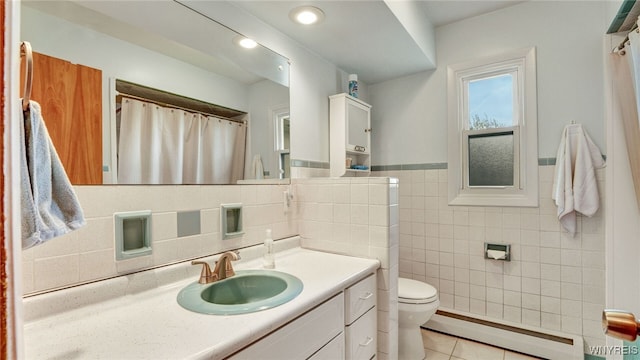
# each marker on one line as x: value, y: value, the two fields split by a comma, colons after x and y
x: 132, y: 234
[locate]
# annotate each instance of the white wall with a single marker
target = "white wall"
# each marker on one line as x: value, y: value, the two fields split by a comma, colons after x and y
x: 411, y: 117
x: 553, y: 282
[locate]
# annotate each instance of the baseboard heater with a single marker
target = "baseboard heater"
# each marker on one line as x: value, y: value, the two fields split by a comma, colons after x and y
x: 517, y: 337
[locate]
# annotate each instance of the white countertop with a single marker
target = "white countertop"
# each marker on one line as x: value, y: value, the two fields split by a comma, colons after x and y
x: 150, y: 324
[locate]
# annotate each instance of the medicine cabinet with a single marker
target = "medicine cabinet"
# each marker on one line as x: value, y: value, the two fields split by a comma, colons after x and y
x: 350, y: 136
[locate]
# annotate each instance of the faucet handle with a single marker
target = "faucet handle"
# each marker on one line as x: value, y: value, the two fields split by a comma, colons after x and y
x: 206, y: 276
x: 234, y: 256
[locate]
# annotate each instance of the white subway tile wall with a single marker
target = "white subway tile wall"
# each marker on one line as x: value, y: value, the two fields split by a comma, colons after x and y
x: 88, y: 253
x: 553, y: 282
x: 358, y: 217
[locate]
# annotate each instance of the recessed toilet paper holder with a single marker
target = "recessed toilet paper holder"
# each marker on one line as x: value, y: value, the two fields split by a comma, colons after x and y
x: 497, y: 251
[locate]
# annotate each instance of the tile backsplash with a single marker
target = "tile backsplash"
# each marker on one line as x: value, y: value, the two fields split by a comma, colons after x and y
x: 553, y: 281
x: 88, y: 254
x: 357, y: 217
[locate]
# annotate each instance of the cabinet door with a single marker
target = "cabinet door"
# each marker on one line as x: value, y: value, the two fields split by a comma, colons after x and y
x: 70, y: 96
x: 334, y: 350
x: 357, y: 126
x: 302, y: 337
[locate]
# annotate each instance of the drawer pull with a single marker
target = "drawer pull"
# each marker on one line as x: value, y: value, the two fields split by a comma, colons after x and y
x: 366, y: 296
x: 367, y: 342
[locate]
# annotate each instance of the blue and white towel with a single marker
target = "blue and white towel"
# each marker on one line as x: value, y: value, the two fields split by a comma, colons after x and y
x: 50, y: 207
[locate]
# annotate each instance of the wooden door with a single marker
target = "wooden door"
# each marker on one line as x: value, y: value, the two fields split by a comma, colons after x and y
x: 70, y: 96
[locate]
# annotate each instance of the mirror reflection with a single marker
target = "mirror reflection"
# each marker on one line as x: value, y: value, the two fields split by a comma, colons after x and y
x: 282, y: 144
x: 190, y: 77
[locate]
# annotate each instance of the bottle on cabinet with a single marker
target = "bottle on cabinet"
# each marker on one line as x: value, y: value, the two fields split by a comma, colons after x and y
x: 353, y: 85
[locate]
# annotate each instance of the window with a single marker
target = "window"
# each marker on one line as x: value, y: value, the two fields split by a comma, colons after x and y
x: 493, y: 146
x: 282, y: 139
x: 491, y: 158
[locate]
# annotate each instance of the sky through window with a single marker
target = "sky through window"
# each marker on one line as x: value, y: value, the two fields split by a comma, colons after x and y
x: 491, y: 101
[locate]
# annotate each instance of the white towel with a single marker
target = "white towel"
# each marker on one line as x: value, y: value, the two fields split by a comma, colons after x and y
x: 574, y: 183
x: 50, y: 207
x: 257, y: 169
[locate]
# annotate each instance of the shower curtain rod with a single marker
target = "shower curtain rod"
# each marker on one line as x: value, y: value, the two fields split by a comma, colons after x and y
x: 119, y: 94
x: 621, y: 46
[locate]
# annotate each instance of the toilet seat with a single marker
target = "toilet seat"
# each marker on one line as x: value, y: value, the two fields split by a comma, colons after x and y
x: 415, y: 292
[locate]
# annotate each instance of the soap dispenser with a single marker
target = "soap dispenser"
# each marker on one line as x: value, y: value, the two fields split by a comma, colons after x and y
x: 268, y: 260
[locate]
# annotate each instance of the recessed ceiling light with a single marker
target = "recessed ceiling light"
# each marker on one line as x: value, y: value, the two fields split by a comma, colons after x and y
x: 306, y: 15
x: 245, y: 42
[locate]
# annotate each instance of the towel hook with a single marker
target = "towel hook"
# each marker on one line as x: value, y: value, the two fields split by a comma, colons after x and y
x: 25, y: 49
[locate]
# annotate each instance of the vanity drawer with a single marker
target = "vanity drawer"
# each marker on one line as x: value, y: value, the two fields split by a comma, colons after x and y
x: 359, y: 298
x: 303, y: 336
x: 361, y: 337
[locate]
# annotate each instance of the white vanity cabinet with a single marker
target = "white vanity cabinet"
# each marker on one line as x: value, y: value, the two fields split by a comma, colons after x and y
x: 311, y: 326
x: 361, y: 320
x: 343, y: 327
x: 304, y: 336
x: 350, y: 135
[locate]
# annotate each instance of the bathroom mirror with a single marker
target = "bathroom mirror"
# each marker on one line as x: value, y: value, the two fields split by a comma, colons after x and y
x: 178, y: 50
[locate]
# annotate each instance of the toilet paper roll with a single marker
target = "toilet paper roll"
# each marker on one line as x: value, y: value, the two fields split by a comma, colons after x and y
x: 496, y: 254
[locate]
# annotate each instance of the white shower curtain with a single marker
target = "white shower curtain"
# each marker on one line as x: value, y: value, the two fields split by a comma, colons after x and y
x: 161, y: 145
x: 633, y: 49
x: 625, y: 71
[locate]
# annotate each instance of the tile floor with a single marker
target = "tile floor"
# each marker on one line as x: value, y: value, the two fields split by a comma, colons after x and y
x: 440, y: 346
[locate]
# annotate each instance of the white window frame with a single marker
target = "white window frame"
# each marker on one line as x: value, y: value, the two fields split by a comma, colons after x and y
x: 279, y: 114
x: 521, y: 63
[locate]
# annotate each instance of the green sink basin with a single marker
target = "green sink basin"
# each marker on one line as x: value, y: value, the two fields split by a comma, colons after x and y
x: 248, y: 291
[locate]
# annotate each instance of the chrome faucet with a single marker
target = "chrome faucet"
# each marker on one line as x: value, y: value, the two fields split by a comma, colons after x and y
x: 222, y: 270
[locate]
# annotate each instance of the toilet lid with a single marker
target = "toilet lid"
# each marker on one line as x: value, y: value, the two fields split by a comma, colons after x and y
x: 414, y: 291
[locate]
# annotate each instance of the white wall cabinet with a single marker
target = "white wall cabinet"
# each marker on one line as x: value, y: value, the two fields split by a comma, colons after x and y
x: 350, y: 136
x: 343, y: 327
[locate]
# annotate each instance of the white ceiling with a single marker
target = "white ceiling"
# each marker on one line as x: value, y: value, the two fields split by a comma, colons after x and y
x: 364, y: 37
x: 442, y: 12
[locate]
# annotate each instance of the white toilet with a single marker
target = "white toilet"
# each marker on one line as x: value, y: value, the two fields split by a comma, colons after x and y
x: 417, y: 302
